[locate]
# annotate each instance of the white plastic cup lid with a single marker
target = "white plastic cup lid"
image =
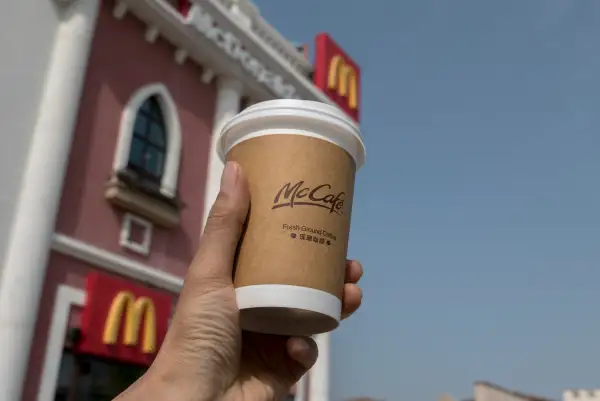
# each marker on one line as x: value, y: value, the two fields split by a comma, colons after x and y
x: 291, y: 116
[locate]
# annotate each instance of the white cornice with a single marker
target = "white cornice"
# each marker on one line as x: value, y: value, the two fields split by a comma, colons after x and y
x: 269, y: 55
x: 268, y: 33
x: 119, y: 10
x: 115, y: 263
x: 172, y: 26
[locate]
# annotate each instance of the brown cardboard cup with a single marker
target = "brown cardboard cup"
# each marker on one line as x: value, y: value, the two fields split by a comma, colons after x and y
x: 300, y: 158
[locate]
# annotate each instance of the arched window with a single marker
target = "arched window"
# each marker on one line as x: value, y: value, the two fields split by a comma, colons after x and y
x: 148, y: 150
x: 149, y: 143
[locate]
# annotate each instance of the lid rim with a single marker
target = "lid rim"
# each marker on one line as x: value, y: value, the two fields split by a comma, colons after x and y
x: 302, y: 110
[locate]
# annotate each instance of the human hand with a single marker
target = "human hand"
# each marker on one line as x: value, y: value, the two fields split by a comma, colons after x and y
x: 205, y: 355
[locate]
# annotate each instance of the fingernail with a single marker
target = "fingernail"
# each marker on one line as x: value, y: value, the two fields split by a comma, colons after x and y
x: 229, y: 178
x: 302, y: 351
x: 302, y: 345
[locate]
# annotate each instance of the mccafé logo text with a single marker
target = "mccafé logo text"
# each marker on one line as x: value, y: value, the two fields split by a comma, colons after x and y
x: 299, y: 194
x: 131, y: 312
x: 341, y: 77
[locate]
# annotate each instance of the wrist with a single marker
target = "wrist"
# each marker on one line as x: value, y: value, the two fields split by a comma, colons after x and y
x: 161, y: 386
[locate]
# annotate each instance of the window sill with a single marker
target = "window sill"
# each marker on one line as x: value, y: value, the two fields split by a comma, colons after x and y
x: 157, y: 208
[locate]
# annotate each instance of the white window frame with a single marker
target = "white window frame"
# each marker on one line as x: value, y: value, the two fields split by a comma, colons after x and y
x: 66, y: 298
x: 125, y: 238
x: 168, y: 185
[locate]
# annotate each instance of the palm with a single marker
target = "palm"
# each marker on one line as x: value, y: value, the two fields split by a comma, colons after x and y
x: 250, y: 366
x: 264, y: 366
x: 261, y: 361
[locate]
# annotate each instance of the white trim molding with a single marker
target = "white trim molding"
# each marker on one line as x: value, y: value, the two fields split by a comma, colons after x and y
x: 176, y: 29
x: 203, y: 23
x: 115, y: 263
x: 227, y: 105
x: 151, y: 34
x: 168, y: 186
x: 34, y: 216
x: 66, y: 297
x: 125, y: 240
x: 301, y: 388
x: 207, y: 76
x: 318, y: 382
x: 180, y: 56
x: 120, y: 9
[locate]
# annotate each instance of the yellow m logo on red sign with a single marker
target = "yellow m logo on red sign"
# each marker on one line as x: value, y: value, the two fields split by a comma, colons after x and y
x: 135, y: 310
x: 342, y: 77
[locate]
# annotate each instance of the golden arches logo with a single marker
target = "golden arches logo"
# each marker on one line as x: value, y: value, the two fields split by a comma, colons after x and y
x: 342, y: 77
x: 134, y: 310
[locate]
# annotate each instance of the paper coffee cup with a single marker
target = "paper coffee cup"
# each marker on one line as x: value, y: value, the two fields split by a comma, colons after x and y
x: 300, y: 158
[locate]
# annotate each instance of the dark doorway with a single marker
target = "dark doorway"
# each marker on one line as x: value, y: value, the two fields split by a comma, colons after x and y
x: 89, y: 378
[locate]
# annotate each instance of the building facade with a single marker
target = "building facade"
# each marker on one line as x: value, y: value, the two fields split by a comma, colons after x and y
x: 110, y: 183
x: 581, y: 395
x: 486, y: 391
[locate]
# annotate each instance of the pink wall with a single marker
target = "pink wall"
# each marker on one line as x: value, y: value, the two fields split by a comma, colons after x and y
x: 121, y: 62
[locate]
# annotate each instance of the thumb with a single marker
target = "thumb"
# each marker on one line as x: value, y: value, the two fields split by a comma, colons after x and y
x: 275, y: 362
x: 224, y: 225
x: 302, y: 353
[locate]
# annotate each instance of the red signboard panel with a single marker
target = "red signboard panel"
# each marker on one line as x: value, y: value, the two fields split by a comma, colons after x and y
x: 337, y: 75
x: 122, y: 320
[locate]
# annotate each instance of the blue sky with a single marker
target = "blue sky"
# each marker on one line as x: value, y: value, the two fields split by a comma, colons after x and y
x: 477, y: 215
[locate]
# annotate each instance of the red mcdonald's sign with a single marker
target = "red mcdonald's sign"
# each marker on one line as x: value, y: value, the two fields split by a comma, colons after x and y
x: 337, y: 75
x: 122, y: 320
